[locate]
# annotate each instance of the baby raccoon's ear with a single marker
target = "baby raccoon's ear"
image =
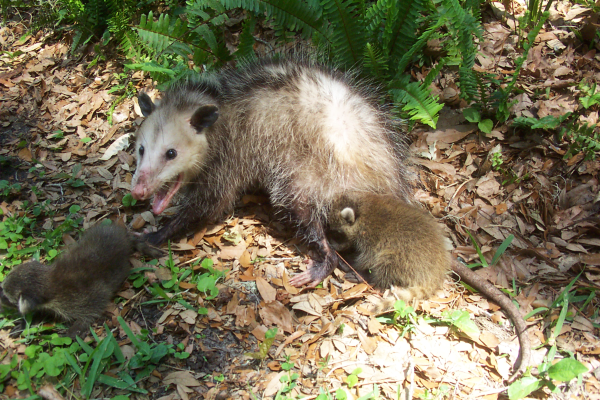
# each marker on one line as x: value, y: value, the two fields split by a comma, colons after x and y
x: 28, y: 303
x: 348, y: 215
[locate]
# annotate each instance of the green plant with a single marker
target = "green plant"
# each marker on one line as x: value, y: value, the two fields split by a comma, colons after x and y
x: 352, y: 379
x: 548, y: 372
x: 502, y: 94
x: 535, y: 12
x: 497, y: 161
x: 7, y: 189
x: 128, y: 200
x: 263, y: 348
x: 473, y: 115
x: 288, y: 380
x: 442, y: 392
x: 71, y: 179
x: 460, y: 319
x: 499, y: 251
x: 381, y: 38
x: 18, y: 234
x: 207, y: 281
x: 126, y: 89
x: 586, y: 139
x: 592, y: 97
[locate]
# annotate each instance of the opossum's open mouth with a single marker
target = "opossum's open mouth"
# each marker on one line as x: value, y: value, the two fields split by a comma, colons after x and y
x: 163, y: 196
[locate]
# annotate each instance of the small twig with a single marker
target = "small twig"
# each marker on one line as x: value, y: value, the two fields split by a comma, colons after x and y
x: 356, y: 273
x: 411, y: 375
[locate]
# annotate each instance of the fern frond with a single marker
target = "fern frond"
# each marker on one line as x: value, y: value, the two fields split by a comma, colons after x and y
x: 376, y: 62
x: 418, y: 101
x: 433, y: 73
x: 417, y: 47
x: 348, y: 33
x: 394, y: 24
x: 156, y: 35
x: 245, y: 48
x: 586, y: 139
x: 468, y: 83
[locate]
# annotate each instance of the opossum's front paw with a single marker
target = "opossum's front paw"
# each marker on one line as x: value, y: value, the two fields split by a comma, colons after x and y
x: 314, y: 274
x: 154, y: 238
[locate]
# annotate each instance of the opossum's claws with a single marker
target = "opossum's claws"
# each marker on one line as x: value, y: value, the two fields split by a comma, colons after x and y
x: 154, y: 238
x: 303, y: 279
x: 315, y: 273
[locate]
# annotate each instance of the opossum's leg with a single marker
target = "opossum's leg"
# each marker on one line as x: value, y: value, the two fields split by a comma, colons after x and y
x: 325, y: 260
x: 174, y: 227
x: 145, y: 249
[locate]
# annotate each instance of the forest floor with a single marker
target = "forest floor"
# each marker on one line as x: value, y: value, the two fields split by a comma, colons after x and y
x: 56, y: 143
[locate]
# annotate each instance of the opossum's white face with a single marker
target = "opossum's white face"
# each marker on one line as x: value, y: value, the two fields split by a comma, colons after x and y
x: 170, y: 150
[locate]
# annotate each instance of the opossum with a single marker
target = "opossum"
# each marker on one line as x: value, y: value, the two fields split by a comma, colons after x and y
x: 301, y: 132
x: 80, y: 283
x: 392, y: 243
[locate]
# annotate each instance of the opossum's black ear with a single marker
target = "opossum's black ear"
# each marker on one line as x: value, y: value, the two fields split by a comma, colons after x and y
x: 146, y: 104
x: 204, y: 117
x: 348, y: 215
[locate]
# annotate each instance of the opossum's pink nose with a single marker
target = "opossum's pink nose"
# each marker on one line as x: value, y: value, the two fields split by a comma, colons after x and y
x: 139, y: 192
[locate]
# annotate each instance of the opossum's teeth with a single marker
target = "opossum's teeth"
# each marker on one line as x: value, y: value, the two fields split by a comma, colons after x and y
x: 163, y: 196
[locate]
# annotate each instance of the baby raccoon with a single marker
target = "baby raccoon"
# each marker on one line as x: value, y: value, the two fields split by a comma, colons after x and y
x: 391, y: 243
x: 80, y: 283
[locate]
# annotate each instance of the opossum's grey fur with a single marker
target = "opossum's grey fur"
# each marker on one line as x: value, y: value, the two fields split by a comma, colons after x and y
x: 302, y: 132
x: 79, y: 284
x: 391, y: 243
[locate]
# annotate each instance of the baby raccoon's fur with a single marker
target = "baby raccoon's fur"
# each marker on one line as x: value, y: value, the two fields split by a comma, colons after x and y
x: 390, y: 243
x: 300, y: 131
x: 394, y: 244
x: 78, y: 286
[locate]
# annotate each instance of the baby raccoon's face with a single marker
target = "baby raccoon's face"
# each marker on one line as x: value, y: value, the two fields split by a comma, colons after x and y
x: 20, y: 287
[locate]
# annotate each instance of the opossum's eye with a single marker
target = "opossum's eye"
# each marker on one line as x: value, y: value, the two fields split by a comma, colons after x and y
x: 171, y: 154
x: 141, y: 151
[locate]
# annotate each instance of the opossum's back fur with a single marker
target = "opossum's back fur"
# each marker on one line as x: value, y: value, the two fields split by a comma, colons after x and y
x: 304, y: 132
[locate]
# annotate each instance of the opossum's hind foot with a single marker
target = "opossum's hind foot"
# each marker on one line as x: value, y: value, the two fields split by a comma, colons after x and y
x: 316, y: 272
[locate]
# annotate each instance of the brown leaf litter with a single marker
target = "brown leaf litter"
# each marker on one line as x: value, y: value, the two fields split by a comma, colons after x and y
x: 550, y: 205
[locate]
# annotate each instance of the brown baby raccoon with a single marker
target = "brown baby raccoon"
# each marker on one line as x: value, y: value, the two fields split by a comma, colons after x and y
x: 389, y: 243
x: 392, y: 243
x: 78, y: 286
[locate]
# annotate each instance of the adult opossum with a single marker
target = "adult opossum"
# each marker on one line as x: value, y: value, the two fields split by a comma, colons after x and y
x: 302, y: 132
x: 79, y: 284
x: 392, y: 243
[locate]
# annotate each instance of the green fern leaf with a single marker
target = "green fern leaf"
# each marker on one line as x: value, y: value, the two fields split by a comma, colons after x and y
x: 245, y: 48
x: 376, y: 63
x: 418, y: 101
x: 348, y: 31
